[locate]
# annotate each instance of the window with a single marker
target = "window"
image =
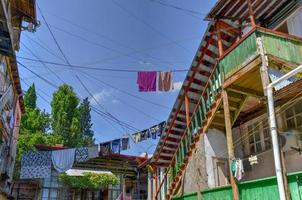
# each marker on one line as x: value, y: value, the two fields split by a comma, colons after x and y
x: 50, y: 190
x: 294, y: 116
x: 259, y: 136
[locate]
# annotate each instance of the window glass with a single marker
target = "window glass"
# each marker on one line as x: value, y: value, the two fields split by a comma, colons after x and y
x: 294, y: 116
x: 259, y: 136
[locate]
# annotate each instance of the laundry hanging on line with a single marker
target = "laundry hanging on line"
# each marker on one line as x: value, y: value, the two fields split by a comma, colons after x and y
x: 35, y: 165
x: 237, y: 169
x: 165, y: 81
x: 63, y: 160
x: 152, y: 132
x: 148, y: 81
x: 114, y: 146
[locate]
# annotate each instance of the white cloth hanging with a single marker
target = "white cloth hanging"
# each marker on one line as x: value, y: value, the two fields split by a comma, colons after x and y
x: 239, y: 169
x: 63, y: 160
x: 93, y: 151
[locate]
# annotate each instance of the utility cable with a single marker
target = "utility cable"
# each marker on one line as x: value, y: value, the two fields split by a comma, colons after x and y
x: 149, y: 26
x: 192, y: 13
x: 67, y: 61
x: 42, y: 78
x: 48, y: 68
x: 97, y: 68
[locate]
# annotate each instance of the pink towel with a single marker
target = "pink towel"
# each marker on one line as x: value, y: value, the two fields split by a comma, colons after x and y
x: 146, y: 81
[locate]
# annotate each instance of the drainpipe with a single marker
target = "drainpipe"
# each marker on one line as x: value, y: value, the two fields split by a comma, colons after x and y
x: 273, y: 128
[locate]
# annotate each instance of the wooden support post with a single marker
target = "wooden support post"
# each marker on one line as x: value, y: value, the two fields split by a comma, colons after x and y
x: 287, y: 191
x: 187, y: 110
x: 264, y: 65
x: 156, y: 182
x: 230, y: 146
x: 251, y: 13
x: 220, y: 44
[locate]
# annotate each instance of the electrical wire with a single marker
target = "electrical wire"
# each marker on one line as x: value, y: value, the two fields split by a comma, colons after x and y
x: 37, y: 57
x: 103, y: 36
x: 149, y: 26
x: 96, y: 68
x: 43, y: 46
x: 134, y: 108
x: 42, y: 78
x: 77, y: 77
x: 192, y: 13
x: 127, y: 93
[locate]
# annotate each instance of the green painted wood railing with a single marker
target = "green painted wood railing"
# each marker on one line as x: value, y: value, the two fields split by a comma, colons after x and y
x: 196, y: 122
x: 278, y: 45
x: 281, y: 46
x: 260, y: 189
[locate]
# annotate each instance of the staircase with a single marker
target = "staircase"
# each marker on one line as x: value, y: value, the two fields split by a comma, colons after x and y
x: 208, y: 114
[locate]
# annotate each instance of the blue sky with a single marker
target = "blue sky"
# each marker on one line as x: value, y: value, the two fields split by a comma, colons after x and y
x: 115, y: 34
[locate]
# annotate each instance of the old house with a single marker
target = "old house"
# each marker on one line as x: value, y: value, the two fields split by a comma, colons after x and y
x: 15, y: 17
x: 130, y: 171
x: 219, y: 138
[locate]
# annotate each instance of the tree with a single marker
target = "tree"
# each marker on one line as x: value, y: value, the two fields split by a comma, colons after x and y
x: 65, y: 116
x: 30, y: 97
x: 33, y: 120
x: 85, y: 122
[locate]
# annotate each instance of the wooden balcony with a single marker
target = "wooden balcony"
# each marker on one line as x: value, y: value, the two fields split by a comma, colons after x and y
x: 282, y: 50
x: 238, y: 71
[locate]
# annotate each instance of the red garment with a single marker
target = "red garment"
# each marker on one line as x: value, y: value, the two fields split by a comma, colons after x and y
x: 146, y: 81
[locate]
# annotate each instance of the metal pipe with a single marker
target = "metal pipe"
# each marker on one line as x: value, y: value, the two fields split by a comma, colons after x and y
x: 273, y: 128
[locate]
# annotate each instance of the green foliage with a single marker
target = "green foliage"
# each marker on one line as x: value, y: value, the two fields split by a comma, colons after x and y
x: 65, y: 116
x: 70, y: 123
x: 89, y: 180
x: 30, y: 98
x: 85, y: 122
x: 34, y: 120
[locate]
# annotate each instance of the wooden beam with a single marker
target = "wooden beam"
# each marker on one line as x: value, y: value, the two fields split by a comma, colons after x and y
x: 245, y: 91
x: 237, y: 112
x: 251, y: 13
x: 220, y: 44
x: 187, y: 110
x: 230, y: 145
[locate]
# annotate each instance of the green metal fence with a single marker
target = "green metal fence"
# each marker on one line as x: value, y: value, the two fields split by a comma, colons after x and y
x: 260, y: 189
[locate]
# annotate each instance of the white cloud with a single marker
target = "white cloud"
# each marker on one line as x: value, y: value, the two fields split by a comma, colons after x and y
x: 177, y: 86
x: 115, y: 101
x: 101, y: 97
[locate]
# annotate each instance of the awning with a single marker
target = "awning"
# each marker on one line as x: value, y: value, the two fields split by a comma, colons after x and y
x: 81, y: 172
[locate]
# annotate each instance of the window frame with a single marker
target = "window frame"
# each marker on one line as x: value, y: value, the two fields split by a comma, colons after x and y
x: 262, y: 127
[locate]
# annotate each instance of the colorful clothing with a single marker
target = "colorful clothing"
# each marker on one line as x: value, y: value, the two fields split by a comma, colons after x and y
x: 146, y: 81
